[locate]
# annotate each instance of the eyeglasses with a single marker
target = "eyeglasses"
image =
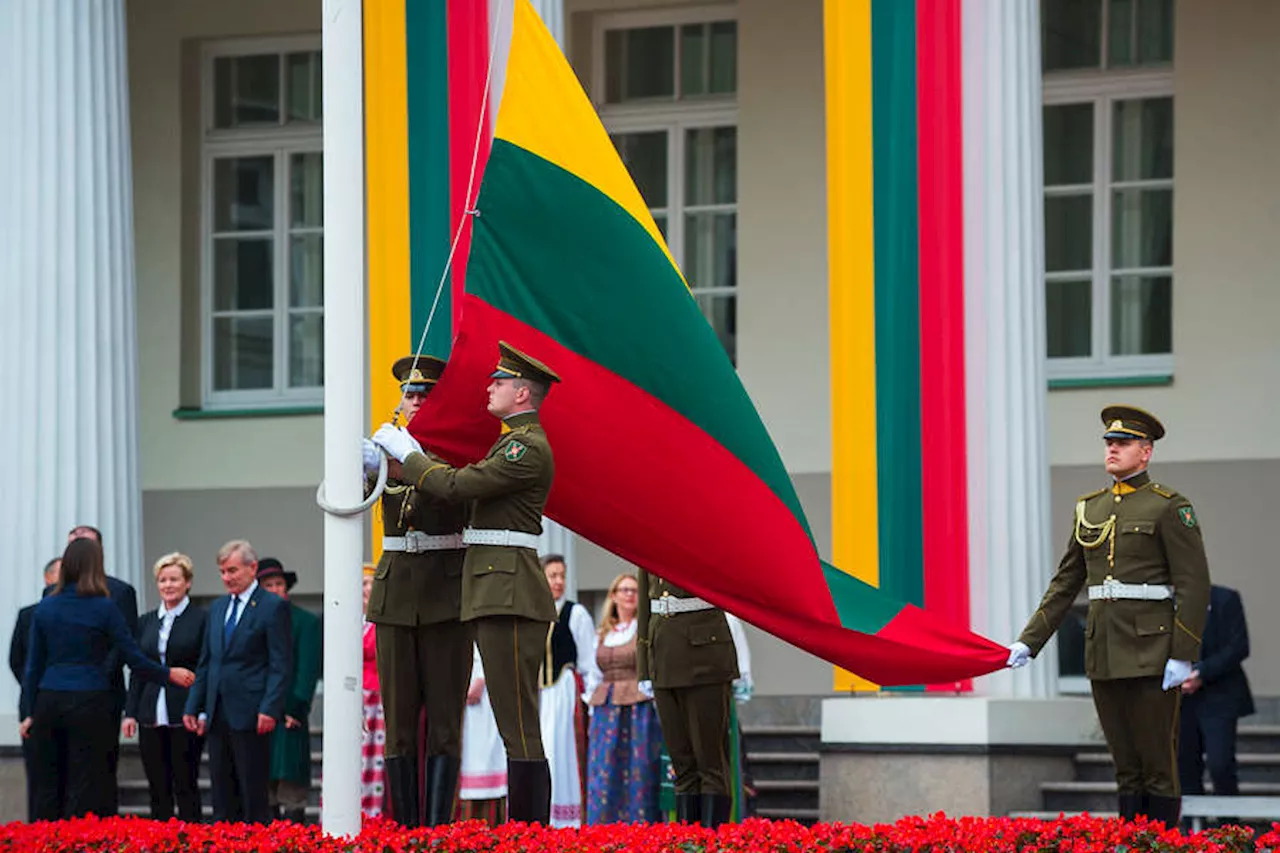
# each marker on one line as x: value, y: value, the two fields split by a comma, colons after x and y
x: 628, y: 590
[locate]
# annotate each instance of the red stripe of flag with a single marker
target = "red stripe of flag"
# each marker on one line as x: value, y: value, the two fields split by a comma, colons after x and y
x: 468, y: 62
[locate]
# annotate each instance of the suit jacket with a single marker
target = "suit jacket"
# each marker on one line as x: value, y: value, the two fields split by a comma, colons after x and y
x: 507, y: 490
x: 685, y: 649
x: 20, y: 642
x: 1156, y: 540
x: 186, y: 639
x: 1225, y: 692
x: 125, y: 597
x: 249, y: 675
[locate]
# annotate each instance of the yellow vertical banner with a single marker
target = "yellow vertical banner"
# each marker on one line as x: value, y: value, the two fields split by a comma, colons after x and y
x: 387, y: 198
x: 851, y: 295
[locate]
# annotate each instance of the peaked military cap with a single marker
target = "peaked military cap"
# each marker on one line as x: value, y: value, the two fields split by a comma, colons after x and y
x: 1131, y: 422
x: 513, y: 364
x: 420, y: 376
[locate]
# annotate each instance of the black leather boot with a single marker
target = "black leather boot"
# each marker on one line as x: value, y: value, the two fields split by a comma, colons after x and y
x: 688, y: 808
x: 1129, y: 805
x: 442, y: 786
x: 402, y: 780
x: 529, y: 791
x: 1167, y: 810
x: 715, y: 809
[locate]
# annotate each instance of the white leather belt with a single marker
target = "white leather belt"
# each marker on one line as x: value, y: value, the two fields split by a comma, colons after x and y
x: 511, y: 538
x: 1110, y: 590
x: 417, y: 542
x: 670, y: 606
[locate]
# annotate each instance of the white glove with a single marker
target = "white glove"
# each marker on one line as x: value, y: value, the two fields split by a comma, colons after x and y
x: 371, y: 454
x: 1175, y: 672
x: 396, y: 441
x: 1019, y: 655
x: 646, y: 688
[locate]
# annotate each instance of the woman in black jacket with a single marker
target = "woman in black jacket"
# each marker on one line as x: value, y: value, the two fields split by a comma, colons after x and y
x: 172, y: 635
x: 66, y: 704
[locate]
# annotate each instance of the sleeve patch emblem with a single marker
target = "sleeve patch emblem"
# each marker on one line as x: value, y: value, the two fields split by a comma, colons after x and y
x: 515, y: 452
x: 1188, y: 516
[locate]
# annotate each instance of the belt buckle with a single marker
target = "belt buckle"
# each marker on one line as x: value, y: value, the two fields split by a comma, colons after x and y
x: 413, y: 541
x: 1110, y: 587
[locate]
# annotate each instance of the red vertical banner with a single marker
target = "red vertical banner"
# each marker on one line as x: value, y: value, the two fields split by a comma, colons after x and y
x: 470, y: 132
x: 942, y: 359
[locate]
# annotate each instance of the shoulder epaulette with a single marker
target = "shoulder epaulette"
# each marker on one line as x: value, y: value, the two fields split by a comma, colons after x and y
x: 1163, y: 492
x: 1091, y: 495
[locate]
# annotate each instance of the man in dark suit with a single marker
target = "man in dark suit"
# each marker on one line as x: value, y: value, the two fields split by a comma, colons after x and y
x: 18, y: 645
x: 126, y: 599
x: 240, y: 688
x: 1215, y: 697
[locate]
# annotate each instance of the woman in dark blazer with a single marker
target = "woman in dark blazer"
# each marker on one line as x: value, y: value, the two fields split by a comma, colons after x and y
x: 172, y: 635
x: 67, y: 702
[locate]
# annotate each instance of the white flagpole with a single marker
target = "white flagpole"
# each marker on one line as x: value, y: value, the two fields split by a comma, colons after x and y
x: 344, y: 408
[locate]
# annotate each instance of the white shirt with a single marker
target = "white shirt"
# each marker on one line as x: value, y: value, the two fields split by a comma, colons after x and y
x: 167, y: 618
x: 584, y: 637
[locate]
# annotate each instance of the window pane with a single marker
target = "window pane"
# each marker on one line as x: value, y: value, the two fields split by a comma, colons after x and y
x: 711, y: 165
x: 640, y: 63
x: 306, y: 350
x: 1142, y: 228
x: 306, y: 190
x: 242, y: 353
x: 306, y: 271
x: 1071, y: 33
x: 244, y: 194
x: 242, y: 274
x: 710, y: 250
x: 1069, y: 318
x: 660, y: 219
x: 306, y: 94
x: 1068, y: 144
x: 1155, y: 31
x: 246, y: 90
x: 1141, y: 315
x: 645, y: 156
x: 1068, y: 233
x: 1143, y: 140
x: 693, y: 59
x: 724, y: 57
x: 720, y: 310
x: 1120, y: 41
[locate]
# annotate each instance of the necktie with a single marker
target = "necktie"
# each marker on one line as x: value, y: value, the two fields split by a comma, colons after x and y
x: 229, y: 626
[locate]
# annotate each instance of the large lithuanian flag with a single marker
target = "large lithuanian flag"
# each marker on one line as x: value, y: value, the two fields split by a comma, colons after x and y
x: 660, y: 455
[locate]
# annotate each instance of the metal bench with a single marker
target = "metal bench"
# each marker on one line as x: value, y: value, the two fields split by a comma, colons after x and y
x: 1199, y: 807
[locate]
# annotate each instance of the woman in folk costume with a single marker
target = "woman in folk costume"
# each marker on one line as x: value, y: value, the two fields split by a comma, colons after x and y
x: 625, y: 741
x: 373, y: 788
x: 482, y: 783
x: 571, y: 656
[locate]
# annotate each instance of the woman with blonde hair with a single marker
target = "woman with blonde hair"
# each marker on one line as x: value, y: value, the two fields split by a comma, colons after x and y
x: 172, y: 634
x: 625, y: 740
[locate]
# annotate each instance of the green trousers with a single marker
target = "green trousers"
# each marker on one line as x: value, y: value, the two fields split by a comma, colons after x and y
x: 1140, y: 722
x: 513, y: 650
x: 424, y: 667
x: 695, y: 726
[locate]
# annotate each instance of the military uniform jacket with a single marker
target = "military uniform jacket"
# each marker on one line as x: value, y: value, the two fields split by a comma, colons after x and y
x: 685, y: 649
x: 1154, y: 539
x: 507, y: 490
x: 417, y: 589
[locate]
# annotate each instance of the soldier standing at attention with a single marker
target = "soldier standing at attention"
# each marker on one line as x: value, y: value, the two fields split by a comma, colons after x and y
x: 686, y: 654
x: 1138, y: 546
x: 505, y: 594
x: 423, y: 649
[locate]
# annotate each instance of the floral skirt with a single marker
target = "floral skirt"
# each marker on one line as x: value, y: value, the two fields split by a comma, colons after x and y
x: 624, y: 743
x: 372, y: 744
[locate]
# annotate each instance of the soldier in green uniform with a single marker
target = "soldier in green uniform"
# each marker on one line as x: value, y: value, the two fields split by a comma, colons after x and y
x: 686, y: 654
x: 1138, y: 547
x: 424, y: 650
x: 505, y: 595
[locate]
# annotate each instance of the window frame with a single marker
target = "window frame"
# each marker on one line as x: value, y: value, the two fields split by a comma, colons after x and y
x: 675, y: 117
x: 1103, y: 89
x: 280, y: 142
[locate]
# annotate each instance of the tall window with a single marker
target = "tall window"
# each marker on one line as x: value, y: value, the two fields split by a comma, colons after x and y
x: 262, y: 205
x: 1108, y: 174
x: 666, y: 88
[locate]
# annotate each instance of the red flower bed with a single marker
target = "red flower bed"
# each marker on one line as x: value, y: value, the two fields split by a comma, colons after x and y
x: 936, y: 834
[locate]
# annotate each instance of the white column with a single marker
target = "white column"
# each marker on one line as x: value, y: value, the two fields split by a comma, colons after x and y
x: 69, y: 378
x: 1010, y: 553
x: 344, y: 409
x: 557, y: 539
